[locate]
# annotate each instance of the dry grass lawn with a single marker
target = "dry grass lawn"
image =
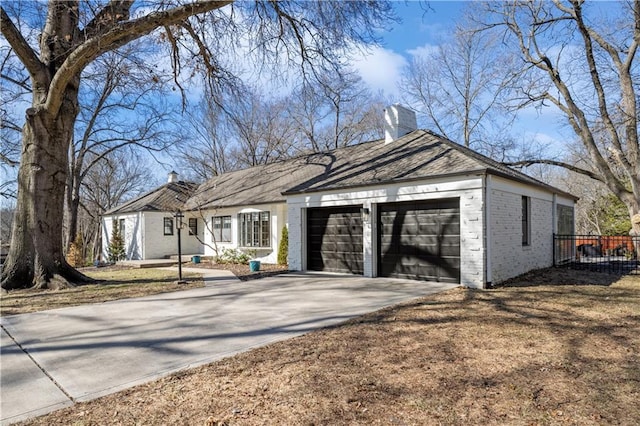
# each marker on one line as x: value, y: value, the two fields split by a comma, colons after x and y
x: 527, y: 354
x: 116, y: 283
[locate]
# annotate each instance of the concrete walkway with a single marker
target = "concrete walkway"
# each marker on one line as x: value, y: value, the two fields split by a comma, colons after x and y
x: 51, y: 359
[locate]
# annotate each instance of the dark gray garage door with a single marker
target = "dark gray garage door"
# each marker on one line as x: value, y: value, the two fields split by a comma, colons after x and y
x: 420, y: 240
x: 334, y: 239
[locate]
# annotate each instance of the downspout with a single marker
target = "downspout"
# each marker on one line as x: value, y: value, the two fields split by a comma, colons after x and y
x: 487, y: 230
x: 554, y: 227
x: 142, y: 232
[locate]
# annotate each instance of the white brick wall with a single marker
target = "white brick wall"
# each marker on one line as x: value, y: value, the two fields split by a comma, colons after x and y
x: 468, y: 190
x: 472, y: 253
x: 509, y: 257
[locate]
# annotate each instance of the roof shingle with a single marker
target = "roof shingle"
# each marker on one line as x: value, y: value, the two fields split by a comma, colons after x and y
x: 417, y: 155
x: 167, y: 198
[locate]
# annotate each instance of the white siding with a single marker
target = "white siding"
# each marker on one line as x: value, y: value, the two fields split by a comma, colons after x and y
x: 467, y: 189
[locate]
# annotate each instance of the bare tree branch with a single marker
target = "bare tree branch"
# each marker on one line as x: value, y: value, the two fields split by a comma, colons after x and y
x: 18, y: 43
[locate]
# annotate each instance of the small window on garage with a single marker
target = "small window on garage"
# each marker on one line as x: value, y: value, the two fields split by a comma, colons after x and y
x: 168, y: 226
x: 193, y: 226
x: 526, y: 221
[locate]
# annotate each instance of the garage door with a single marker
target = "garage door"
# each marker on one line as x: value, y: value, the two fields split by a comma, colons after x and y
x: 334, y: 239
x: 420, y: 240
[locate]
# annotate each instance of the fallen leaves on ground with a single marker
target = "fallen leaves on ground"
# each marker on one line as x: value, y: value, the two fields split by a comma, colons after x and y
x: 525, y: 354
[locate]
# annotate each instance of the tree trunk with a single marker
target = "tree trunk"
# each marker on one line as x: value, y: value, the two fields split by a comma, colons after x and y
x: 36, y: 255
x: 73, y: 207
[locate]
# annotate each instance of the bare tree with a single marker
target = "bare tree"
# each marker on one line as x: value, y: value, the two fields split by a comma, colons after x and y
x: 581, y: 58
x: 261, y: 129
x: 205, y: 151
x: 14, y: 88
x: 122, y: 106
x: 335, y: 109
x: 462, y: 90
x: 74, y: 34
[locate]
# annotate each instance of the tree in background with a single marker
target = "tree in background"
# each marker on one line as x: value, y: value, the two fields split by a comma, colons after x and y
x: 205, y: 151
x: 462, y: 87
x: 260, y: 129
x: 122, y: 109
x: 334, y: 110
x: 580, y: 57
x: 75, y: 34
x: 251, y: 127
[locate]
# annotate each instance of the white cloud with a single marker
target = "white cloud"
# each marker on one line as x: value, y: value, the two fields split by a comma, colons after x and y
x: 381, y: 69
x: 424, y: 51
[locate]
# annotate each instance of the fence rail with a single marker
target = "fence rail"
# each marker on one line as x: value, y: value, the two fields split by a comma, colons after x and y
x: 617, y: 254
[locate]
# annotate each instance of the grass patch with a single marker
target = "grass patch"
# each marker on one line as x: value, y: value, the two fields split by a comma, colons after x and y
x: 116, y: 283
x: 527, y: 354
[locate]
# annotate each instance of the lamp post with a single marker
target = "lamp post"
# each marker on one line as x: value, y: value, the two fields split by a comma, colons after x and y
x: 179, y: 215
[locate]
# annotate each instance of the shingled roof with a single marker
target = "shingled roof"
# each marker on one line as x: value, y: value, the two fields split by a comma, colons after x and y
x: 167, y: 198
x: 418, y: 155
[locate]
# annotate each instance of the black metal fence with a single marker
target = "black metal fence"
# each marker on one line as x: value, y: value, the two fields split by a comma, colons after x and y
x: 616, y: 254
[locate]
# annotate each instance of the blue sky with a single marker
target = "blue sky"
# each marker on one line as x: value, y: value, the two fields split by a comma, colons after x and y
x: 423, y: 26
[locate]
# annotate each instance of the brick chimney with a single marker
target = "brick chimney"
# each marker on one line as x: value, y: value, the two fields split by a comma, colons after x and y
x: 398, y: 121
x: 173, y: 177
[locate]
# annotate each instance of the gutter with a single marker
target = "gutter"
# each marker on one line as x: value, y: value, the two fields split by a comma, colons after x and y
x: 487, y: 231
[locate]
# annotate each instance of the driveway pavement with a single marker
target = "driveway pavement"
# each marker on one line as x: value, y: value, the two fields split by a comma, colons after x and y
x: 51, y: 359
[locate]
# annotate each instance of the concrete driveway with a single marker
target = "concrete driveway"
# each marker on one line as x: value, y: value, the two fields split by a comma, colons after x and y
x: 51, y: 359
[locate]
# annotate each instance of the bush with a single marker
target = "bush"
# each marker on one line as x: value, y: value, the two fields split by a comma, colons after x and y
x: 235, y: 256
x: 283, y: 248
x: 116, y: 249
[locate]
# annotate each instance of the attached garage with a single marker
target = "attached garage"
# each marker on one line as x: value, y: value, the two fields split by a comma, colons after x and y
x: 420, y: 240
x: 334, y: 239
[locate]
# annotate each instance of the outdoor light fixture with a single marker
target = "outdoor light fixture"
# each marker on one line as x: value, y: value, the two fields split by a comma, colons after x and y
x: 179, y: 216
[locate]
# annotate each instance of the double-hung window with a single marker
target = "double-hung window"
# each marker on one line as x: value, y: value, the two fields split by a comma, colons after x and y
x: 221, y: 229
x: 193, y: 226
x: 168, y: 226
x: 255, y: 229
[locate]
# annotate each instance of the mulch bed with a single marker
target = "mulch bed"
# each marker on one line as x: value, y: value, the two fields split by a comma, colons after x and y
x: 242, y: 271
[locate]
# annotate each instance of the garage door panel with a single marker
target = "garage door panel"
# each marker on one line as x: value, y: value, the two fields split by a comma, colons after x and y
x: 334, y: 239
x: 420, y: 240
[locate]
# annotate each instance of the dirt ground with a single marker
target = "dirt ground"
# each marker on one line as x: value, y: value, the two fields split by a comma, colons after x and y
x: 544, y: 350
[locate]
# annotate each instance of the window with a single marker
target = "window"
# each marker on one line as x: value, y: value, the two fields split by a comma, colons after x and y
x: 221, y: 229
x: 255, y: 229
x: 526, y: 228
x: 122, y: 227
x: 565, y: 220
x: 193, y: 226
x: 168, y: 226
